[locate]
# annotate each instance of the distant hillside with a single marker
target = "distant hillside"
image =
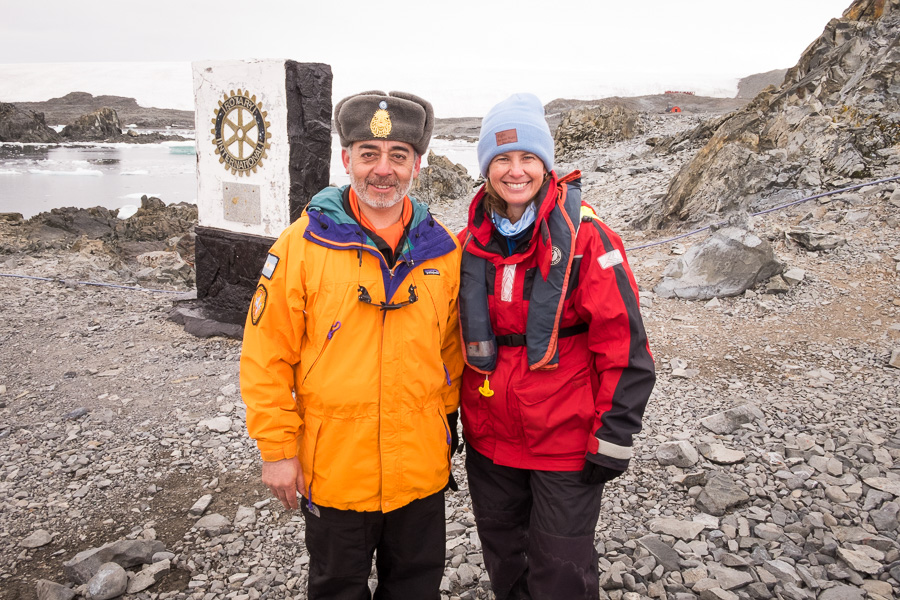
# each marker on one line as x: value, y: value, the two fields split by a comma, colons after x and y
x: 749, y: 87
x: 65, y: 110
x: 468, y: 127
x: 657, y: 103
x: 654, y: 103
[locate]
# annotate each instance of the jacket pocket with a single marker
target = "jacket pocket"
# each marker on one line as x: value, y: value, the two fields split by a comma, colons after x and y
x: 557, y: 412
x: 475, y: 408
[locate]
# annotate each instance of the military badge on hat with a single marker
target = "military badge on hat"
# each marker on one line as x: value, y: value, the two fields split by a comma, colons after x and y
x: 381, y: 125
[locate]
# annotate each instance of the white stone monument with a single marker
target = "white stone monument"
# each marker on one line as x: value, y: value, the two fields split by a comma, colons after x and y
x: 263, y: 135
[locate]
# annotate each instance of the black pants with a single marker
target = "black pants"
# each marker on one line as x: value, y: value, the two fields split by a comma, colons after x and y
x: 536, y: 530
x: 410, y: 543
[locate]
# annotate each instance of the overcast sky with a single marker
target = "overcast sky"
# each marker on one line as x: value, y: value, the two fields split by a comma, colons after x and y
x: 457, y: 47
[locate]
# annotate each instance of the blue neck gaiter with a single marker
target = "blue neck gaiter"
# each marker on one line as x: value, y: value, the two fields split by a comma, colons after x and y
x: 508, y: 229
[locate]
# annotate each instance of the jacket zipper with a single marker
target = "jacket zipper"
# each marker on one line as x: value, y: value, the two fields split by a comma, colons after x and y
x: 334, y: 327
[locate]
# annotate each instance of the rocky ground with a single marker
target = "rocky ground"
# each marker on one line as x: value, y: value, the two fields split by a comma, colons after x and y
x: 114, y: 423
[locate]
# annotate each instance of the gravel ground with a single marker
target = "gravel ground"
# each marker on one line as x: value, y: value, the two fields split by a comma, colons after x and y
x: 114, y: 423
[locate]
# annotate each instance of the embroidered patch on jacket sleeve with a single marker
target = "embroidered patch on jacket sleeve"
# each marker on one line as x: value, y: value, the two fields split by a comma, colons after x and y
x: 611, y: 259
x: 269, y: 267
x: 258, y: 304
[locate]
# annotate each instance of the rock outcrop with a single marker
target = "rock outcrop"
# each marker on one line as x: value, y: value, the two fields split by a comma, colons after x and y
x: 592, y: 126
x: 835, y: 119
x: 17, y: 125
x: 441, y: 180
x: 154, y: 227
x: 102, y: 124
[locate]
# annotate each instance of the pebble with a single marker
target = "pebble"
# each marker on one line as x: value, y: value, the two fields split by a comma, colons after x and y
x: 719, y: 454
x: 891, y: 486
x: 201, y: 505
x: 148, y: 576
x: 678, y: 453
x: 684, y: 530
x: 219, y: 424
x: 38, y: 538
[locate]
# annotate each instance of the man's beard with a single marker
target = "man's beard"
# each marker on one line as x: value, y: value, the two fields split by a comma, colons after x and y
x: 361, y: 187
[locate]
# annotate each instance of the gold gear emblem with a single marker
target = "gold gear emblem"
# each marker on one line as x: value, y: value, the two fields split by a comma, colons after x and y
x: 240, y: 132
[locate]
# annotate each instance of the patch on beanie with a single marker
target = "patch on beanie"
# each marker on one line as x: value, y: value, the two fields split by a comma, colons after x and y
x: 507, y: 137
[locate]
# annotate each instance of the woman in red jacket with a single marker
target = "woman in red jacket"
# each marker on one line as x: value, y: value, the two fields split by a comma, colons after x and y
x: 558, y: 368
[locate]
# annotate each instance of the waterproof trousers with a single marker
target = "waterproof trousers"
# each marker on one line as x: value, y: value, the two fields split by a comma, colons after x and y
x: 410, y: 551
x: 536, y: 530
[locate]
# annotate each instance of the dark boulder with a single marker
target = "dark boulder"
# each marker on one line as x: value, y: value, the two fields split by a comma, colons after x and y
x: 17, y: 125
x: 100, y: 125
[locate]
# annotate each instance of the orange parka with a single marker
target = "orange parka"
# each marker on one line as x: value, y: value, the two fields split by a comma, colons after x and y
x: 357, y: 390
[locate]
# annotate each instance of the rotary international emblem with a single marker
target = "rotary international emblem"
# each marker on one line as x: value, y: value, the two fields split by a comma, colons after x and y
x: 240, y: 132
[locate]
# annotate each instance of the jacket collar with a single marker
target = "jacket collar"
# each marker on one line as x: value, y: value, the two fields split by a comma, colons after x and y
x: 480, y: 225
x: 330, y: 225
x: 484, y: 233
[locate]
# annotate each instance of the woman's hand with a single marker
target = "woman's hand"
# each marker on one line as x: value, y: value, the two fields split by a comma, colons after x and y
x: 594, y: 474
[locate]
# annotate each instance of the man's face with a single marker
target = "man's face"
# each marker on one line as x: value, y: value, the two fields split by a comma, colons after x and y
x: 381, y: 172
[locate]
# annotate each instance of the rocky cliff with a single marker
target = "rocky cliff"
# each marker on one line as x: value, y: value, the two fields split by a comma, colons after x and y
x: 835, y: 119
x: 17, y: 125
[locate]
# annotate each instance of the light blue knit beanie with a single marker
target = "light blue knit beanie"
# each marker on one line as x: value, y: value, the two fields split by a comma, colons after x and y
x: 517, y: 123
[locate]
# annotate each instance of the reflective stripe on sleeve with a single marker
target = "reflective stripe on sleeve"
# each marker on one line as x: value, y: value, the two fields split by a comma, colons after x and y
x: 614, y: 451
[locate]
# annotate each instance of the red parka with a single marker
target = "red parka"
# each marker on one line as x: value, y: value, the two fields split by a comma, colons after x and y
x: 547, y: 416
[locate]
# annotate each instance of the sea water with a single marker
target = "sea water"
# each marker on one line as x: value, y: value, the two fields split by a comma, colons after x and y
x: 35, y: 178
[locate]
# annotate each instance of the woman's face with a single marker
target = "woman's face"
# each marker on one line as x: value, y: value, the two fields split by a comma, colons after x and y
x: 516, y: 176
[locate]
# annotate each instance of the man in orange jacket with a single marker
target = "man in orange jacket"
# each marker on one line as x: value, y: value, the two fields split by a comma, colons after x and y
x: 351, y: 362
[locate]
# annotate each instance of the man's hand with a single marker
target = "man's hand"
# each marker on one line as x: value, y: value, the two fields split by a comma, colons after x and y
x: 452, y: 420
x: 285, y: 479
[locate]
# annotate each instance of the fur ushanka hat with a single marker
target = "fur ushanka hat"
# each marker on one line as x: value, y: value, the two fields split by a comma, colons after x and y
x: 378, y: 116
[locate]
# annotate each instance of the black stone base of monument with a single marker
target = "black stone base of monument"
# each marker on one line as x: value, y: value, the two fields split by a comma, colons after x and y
x: 228, y: 269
